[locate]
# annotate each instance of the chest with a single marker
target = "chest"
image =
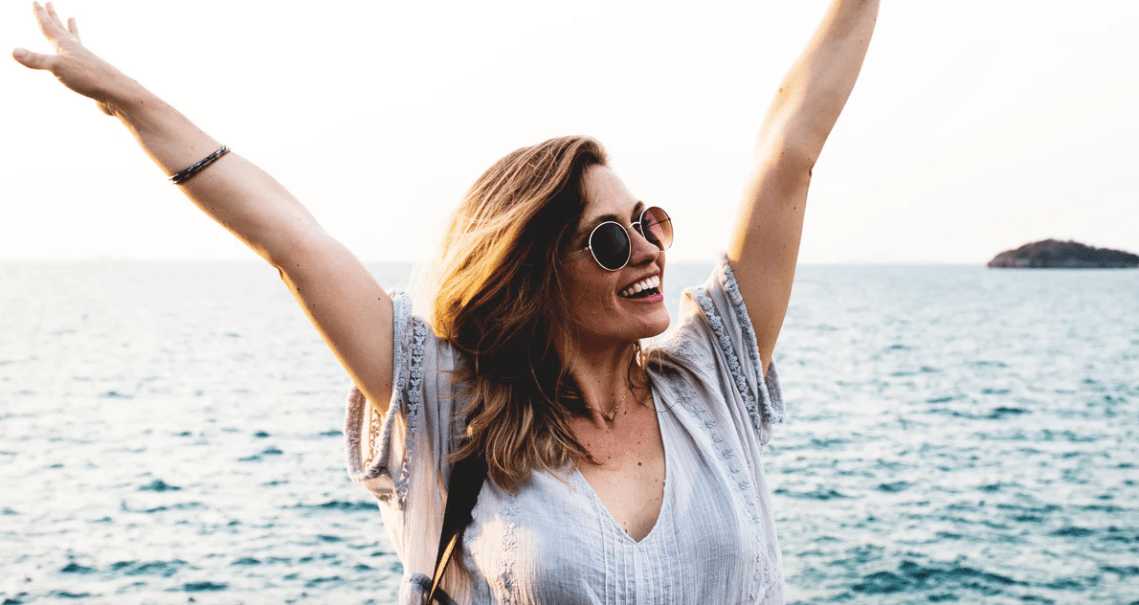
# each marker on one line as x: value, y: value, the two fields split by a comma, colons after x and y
x: 628, y: 477
x: 558, y: 541
x: 628, y: 469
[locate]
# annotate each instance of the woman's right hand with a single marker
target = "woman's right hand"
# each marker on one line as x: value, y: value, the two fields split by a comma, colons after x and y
x: 73, y: 64
x: 350, y: 310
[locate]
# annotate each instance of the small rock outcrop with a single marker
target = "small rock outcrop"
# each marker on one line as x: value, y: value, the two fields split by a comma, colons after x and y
x: 1055, y: 254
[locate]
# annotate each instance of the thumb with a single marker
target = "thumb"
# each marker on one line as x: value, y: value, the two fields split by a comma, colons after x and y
x: 31, y: 59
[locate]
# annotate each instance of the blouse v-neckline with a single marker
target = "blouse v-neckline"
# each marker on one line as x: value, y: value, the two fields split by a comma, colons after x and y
x: 665, y: 506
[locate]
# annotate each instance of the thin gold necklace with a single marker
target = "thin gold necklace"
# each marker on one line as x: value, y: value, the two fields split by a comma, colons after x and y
x: 613, y: 413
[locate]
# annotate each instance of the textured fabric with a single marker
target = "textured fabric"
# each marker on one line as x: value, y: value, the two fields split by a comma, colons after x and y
x: 554, y: 542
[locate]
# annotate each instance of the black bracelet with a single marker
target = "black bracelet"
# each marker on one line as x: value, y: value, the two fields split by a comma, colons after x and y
x: 188, y: 173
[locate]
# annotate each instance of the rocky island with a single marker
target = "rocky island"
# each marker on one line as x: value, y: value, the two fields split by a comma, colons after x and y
x: 1055, y: 254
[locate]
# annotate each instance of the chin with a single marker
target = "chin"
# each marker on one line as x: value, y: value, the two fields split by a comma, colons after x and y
x: 657, y: 324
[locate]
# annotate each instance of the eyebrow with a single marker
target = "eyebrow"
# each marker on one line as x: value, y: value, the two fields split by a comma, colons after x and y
x: 585, y: 231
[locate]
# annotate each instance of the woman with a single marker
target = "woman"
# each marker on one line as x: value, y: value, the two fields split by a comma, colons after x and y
x: 616, y: 474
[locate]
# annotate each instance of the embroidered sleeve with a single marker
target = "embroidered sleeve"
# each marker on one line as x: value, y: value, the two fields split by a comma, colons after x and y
x: 714, y: 322
x: 378, y: 446
x: 401, y: 456
x: 740, y: 334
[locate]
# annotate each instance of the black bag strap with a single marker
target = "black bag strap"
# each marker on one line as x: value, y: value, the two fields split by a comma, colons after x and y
x: 467, y: 477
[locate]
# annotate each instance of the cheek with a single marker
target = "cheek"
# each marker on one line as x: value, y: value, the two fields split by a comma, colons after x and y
x: 593, y: 300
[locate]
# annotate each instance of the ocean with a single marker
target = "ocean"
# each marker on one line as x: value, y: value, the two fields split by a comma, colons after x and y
x: 172, y: 433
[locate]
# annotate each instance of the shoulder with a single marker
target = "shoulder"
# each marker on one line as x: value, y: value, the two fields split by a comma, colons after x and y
x: 714, y: 342
x: 712, y: 318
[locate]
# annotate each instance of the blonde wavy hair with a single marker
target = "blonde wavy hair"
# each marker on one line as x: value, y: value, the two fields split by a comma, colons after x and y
x: 500, y: 299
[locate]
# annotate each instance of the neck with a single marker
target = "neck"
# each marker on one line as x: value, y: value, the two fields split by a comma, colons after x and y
x: 609, y: 379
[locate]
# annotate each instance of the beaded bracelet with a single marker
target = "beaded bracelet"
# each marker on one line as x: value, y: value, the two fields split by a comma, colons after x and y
x: 188, y: 173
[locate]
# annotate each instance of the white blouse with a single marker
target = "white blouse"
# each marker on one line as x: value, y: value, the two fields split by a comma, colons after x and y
x: 554, y: 542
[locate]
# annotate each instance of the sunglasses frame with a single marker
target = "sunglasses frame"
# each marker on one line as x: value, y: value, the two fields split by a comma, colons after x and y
x: 634, y: 225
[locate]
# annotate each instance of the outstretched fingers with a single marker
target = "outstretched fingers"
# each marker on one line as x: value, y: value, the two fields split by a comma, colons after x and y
x: 73, y: 65
x: 50, y: 8
x: 47, y: 25
x: 33, y: 60
x: 65, y: 38
x: 51, y: 26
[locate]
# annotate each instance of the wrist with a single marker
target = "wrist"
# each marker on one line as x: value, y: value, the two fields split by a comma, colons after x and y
x: 126, y: 99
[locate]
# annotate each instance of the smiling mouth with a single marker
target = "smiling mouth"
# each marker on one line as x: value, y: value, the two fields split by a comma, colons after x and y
x: 642, y: 289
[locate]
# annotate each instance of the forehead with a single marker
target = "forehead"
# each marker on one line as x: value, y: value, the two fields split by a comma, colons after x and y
x: 606, y: 196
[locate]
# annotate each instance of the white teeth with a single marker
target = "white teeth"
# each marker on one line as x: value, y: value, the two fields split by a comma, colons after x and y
x: 644, y: 284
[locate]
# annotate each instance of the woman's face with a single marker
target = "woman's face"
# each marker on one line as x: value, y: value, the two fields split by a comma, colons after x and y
x: 601, y: 301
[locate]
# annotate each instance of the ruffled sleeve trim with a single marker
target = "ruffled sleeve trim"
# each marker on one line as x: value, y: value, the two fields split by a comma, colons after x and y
x: 771, y: 409
x: 409, y: 334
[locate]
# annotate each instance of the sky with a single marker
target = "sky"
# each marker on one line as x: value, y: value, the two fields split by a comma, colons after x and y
x: 976, y: 126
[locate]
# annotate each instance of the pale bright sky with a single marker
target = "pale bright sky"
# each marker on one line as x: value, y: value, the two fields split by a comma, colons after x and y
x: 977, y: 125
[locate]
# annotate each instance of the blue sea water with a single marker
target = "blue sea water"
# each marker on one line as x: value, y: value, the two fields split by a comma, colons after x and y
x: 171, y: 432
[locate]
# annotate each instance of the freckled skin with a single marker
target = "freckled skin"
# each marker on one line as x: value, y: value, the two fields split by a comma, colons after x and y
x: 629, y: 475
x: 592, y: 293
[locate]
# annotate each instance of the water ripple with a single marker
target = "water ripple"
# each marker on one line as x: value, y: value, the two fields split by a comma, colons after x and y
x: 954, y: 435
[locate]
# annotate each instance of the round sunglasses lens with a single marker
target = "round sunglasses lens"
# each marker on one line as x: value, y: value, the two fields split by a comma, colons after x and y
x: 611, y: 246
x: 657, y: 227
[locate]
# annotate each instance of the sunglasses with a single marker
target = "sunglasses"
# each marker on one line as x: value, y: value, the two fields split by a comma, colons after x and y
x: 612, y: 247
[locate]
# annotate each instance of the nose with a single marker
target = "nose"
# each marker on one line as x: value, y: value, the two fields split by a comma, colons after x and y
x: 644, y: 251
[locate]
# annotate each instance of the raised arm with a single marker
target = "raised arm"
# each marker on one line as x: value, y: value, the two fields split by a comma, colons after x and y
x: 764, y: 245
x: 349, y: 309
